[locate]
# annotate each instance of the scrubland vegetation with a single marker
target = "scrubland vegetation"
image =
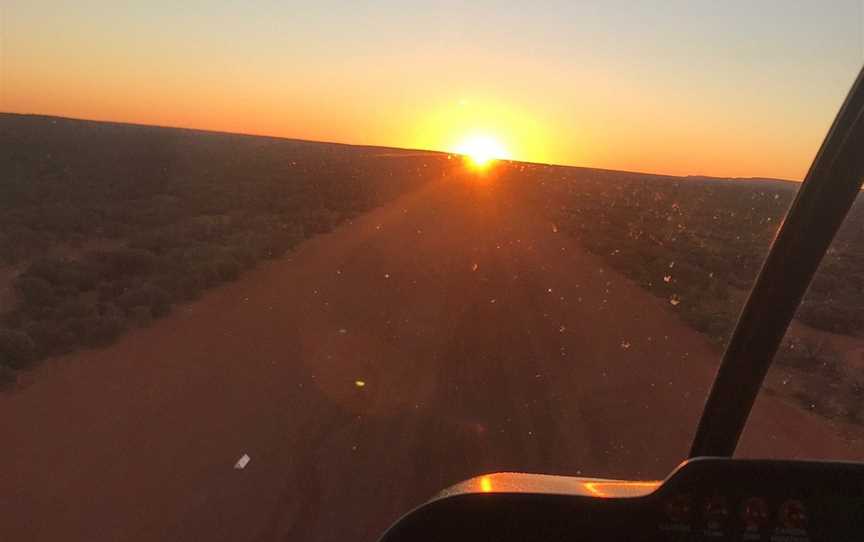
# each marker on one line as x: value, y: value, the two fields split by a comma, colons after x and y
x: 108, y: 226
x: 699, y: 243
x: 104, y: 227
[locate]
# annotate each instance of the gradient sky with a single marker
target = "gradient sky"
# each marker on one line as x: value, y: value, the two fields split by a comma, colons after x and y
x: 716, y: 88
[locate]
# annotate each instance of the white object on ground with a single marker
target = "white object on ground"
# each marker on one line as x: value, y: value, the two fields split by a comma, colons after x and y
x: 242, y: 462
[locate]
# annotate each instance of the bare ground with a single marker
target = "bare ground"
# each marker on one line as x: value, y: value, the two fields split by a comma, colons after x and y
x: 484, y: 340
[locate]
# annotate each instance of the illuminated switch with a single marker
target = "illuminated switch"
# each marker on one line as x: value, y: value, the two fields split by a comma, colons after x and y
x: 678, y: 508
x: 793, y: 514
x: 754, y: 512
x: 715, y: 508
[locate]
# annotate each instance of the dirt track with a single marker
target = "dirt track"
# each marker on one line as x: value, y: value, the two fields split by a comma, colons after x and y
x: 486, y: 341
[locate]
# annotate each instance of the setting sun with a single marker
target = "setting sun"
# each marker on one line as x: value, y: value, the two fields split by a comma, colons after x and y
x: 482, y: 149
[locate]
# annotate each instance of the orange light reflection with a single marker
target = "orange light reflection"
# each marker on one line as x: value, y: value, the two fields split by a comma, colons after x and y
x: 617, y: 489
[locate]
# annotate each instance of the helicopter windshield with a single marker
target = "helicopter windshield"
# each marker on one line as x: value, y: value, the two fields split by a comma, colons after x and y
x: 282, y: 272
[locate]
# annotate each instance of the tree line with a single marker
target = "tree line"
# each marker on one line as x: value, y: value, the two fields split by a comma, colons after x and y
x: 112, y: 225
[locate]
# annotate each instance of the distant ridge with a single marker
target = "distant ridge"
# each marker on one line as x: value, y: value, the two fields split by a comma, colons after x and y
x: 400, y: 150
x: 38, y: 117
x: 787, y: 182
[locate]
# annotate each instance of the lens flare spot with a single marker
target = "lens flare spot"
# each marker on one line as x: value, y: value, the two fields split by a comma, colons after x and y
x: 482, y: 150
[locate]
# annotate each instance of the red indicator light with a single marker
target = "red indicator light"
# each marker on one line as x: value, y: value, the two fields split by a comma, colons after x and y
x: 715, y: 508
x: 754, y: 512
x: 678, y: 508
x: 793, y: 515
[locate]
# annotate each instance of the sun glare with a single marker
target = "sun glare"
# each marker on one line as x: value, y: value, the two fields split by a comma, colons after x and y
x: 481, y: 150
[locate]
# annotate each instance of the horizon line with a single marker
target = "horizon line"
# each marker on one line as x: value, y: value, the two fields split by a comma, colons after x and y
x: 391, y: 147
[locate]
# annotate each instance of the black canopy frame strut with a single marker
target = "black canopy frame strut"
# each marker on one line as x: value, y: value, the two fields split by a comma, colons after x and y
x: 823, y: 200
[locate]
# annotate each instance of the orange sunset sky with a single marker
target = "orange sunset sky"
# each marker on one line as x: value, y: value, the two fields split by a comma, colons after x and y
x: 738, y: 89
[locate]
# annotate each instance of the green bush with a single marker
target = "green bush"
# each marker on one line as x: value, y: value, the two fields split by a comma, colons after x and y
x: 101, y: 329
x: 141, y: 315
x: 17, y: 350
x: 34, y: 290
x: 8, y: 377
x: 808, y: 355
x: 145, y: 295
x: 52, y: 337
x: 180, y: 211
x: 74, y: 307
x: 831, y: 315
x: 120, y: 263
x: 227, y: 267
